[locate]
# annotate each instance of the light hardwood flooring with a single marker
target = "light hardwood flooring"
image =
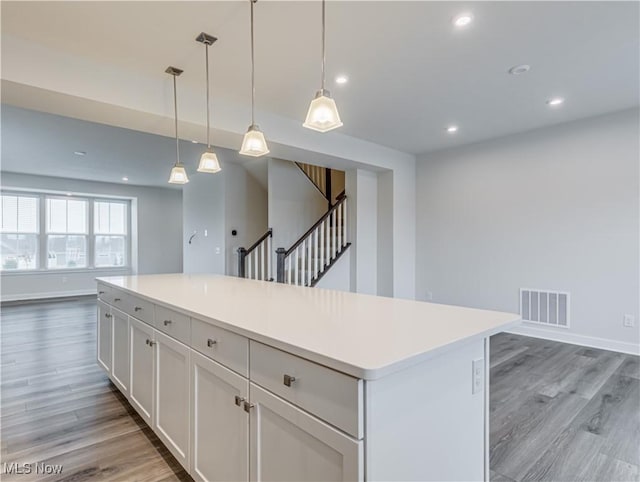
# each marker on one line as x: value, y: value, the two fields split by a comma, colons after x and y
x: 558, y: 412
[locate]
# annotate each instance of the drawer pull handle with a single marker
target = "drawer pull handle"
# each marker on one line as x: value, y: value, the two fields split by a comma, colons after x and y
x: 211, y: 342
x: 167, y: 322
x: 116, y: 299
x: 138, y: 308
x: 288, y: 380
x: 100, y: 292
x: 248, y: 406
x: 108, y: 315
x: 239, y: 400
x: 150, y: 343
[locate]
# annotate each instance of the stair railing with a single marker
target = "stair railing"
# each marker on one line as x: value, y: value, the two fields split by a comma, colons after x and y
x: 306, y: 261
x: 255, y: 262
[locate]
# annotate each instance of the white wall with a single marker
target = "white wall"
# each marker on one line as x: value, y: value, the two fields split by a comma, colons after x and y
x: 294, y: 203
x: 159, y: 236
x: 362, y: 198
x: 246, y: 210
x: 385, y: 233
x: 556, y: 208
x: 203, y: 201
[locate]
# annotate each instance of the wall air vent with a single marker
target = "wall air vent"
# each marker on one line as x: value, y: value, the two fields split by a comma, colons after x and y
x: 544, y: 307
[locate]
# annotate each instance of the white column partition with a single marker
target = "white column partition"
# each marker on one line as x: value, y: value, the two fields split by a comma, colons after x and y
x: 339, y: 229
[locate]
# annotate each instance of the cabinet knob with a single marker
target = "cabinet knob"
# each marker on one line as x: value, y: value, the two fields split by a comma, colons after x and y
x: 138, y: 308
x: 288, y: 380
x: 167, y: 322
x: 211, y: 342
x: 248, y: 406
x: 108, y: 315
x: 149, y: 342
x: 100, y: 292
x: 116, y: 299
x: 239, y: 400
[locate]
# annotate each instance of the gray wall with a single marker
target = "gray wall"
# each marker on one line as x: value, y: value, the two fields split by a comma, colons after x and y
x: 556, y: 208
x: 246, y: 210
x: 158, y: 237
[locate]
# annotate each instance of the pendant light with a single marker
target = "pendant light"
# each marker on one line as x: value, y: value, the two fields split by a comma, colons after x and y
x: 254, y: 143
x: 209, y: 160
x: 323, y: 114
x: 178, y: 174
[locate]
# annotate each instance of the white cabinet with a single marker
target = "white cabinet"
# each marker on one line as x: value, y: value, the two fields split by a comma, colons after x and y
x: 141, y: 359
x: 288, y: 444
x: 120, y: 354
x: 104, y: 336
x: 172, y: 393
x: 219, y: 425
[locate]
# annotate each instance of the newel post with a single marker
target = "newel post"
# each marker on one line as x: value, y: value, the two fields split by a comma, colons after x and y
x: 242, y: 254
x: 281, y: 253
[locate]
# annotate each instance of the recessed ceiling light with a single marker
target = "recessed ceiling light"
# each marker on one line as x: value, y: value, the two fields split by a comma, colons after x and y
x: 69, y: 194
x: 462, y: 20
x: 452, y: 129
x: 80, y: 153
x: 125, y: 178
x: 519, y: 69
x: 342, y: 79
x: 555, y: 101
x: 194, y: 142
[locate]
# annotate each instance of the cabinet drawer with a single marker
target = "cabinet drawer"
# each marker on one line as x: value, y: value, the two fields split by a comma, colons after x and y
x: 173, y: 323
x: 332, y: 396
x: 104, y: 292
x: 139, y: 308
x: 223, y: 346
x: 117, y: 298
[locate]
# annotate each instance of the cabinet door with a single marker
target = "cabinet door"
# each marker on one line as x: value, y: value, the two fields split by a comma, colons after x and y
x: 120, y: 358
x: 141, y: 374
x: 171, y: 420
x: 287, y: 444
x: 104, y: 336
x: 219, y: 425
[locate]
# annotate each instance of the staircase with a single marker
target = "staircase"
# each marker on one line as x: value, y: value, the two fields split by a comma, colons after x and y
x: 316, y: 251
x: 306, y: 262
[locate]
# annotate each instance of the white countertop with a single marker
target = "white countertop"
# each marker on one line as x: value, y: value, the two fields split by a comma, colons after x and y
x: 362, y: 335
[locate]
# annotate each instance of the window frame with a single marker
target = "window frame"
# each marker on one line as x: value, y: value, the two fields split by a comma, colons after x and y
x: 17, y: 232
x: 43, y: 234
x: 86, y: 234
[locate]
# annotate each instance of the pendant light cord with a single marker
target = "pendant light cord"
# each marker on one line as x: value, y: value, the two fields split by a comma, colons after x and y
x: 323, y: 44
x: 253, y: 81
x: 175, y: 107
x: 207, y: 71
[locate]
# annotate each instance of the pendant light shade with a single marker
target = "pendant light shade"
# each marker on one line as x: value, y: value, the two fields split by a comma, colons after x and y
x: 323, y: 115
x: 209, y: 160
x: 178, y: 174
x: 254, y: 144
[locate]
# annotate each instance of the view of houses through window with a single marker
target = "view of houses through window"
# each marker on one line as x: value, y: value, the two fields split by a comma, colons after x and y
x: 49, y: 231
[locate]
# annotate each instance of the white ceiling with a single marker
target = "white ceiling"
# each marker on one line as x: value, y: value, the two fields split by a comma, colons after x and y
x: 44, y: 144
x: 411, y: 72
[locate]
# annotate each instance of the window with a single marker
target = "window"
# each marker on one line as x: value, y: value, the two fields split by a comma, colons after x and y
x: 67, y: 233
x: 45, y: 231
x: 19, y: 233
x: 110, y: 219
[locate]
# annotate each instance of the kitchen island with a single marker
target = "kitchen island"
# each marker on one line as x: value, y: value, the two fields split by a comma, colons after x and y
x: 251, y: 380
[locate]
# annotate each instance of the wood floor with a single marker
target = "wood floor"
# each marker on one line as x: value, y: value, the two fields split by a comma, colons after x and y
x: 563, y: 412
x: 559, y: 412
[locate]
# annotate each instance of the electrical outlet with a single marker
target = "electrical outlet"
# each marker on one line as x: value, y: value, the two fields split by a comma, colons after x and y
x: 206, y: 233
x: 629, y: 321
x: 478, y: 376
x: 217, y: 250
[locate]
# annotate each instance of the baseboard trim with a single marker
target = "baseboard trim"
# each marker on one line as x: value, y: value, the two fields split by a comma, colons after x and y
x: 46, y: 296
x: 575, y: 339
